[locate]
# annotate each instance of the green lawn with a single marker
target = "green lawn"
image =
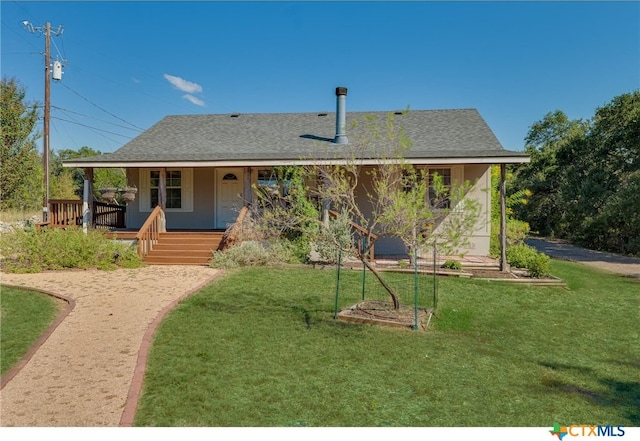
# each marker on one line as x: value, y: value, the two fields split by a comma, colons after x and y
x: 24, y: 316
x: 260, y: 347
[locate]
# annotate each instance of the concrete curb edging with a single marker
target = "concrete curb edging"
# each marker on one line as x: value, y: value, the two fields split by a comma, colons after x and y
x: 71, y: 304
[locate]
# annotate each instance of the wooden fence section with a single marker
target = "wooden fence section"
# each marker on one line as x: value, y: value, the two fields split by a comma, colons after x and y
x: 108, y: 215
x: 68, y: 213
x: 65, y: 212
x: 150, y: 231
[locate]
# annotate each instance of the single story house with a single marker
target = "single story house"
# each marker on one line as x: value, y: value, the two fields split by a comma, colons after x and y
x: 201, y: 168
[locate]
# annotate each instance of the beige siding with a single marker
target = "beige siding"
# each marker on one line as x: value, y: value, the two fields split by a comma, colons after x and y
x: 202, y: 216
x: 203, y: 198
x: 478, y: 175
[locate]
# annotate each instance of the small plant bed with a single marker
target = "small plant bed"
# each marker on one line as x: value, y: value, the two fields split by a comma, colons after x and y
x: 424, y: 270
x: 515, y: 275
x: 383, y: 313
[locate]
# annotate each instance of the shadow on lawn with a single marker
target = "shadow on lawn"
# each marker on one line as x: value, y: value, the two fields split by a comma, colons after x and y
x: 622, y: 394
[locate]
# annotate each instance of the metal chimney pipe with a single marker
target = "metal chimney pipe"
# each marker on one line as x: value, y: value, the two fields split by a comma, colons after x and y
x: 341, y: 116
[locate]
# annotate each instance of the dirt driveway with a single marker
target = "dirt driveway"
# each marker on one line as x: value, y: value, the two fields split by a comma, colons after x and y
x: 88, y: 371
x: 627, y: 266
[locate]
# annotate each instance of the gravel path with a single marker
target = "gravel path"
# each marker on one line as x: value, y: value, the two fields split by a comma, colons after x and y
x: 627, y: 266
x: 84, y: 372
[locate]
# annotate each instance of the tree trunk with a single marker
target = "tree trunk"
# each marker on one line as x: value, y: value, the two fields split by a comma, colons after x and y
x: 394, y: 296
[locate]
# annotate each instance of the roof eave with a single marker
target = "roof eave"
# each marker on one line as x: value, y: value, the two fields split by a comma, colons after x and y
x: 515, y: 159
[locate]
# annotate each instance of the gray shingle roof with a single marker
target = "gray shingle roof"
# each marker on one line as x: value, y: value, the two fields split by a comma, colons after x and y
x: 460, y: 133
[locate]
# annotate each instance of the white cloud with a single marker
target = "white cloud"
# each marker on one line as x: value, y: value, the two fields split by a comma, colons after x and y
x: 195, y: 100
x: 183, y: 85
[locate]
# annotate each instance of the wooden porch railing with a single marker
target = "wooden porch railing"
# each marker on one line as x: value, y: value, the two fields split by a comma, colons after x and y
x: 64, y: 213
x: 108, y: 215
x: 150, y: 231
x: 231, y: 235
x: 362, y: 232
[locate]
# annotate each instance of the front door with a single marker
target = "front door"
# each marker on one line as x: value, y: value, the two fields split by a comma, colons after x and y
x: 229, y: 198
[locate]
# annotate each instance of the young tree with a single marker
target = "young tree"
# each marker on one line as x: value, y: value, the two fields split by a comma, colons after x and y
x: 389, y: 198
x: 20, y: 168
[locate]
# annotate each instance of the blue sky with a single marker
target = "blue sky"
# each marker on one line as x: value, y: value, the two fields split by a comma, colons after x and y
x: 129, y: 64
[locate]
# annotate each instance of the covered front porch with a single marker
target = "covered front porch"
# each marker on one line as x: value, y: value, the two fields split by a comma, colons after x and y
x: 187, y: 197
x: 154, y: 242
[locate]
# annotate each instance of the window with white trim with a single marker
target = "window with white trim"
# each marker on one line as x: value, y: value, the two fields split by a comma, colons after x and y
x: 179, y: 184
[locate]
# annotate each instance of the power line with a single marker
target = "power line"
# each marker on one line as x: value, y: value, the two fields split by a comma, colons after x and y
x: 104, y: 110
x: 91, y: 127
x: 96, y: 119
x: 146, y: 75
x: 58, y: 50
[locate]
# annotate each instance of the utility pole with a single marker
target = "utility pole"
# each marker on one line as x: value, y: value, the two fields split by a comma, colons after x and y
x: 46, y: 30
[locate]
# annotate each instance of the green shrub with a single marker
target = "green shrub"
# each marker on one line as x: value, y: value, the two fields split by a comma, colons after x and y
x: 452, y: 265
x: 254, y: 253
x: 333, y: 236
x: 55, y: 249
x: 300, y: 249
x: 288, y: 251
x: 517, y: 230
x: 525, y: 256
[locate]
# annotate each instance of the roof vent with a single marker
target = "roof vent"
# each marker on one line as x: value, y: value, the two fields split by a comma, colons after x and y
x: 235, y: 115
x: 398, y: 113
x: 341, y: 118
x: 322, y: 114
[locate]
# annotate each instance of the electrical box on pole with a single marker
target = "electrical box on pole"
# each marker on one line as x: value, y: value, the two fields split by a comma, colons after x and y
x: 57, y: 70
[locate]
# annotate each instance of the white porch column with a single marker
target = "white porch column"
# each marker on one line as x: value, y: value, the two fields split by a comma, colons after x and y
x: 87, y: 200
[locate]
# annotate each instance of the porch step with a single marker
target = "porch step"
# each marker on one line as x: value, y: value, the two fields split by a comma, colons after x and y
x: 184, y: 248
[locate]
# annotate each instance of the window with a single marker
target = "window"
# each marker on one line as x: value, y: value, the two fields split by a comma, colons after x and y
x: 268, y: 183
x: 267, y: 179
x: 229, y: 177
x: 174, y: 188
x: 439, y: 194
x: 178, y: 189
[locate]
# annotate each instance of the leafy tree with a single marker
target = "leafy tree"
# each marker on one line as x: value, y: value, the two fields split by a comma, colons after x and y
x: 102, y: 177
x: 584, y: 176
x: 543, y: 176
x: 20, y: 168
x: 602, y: 178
